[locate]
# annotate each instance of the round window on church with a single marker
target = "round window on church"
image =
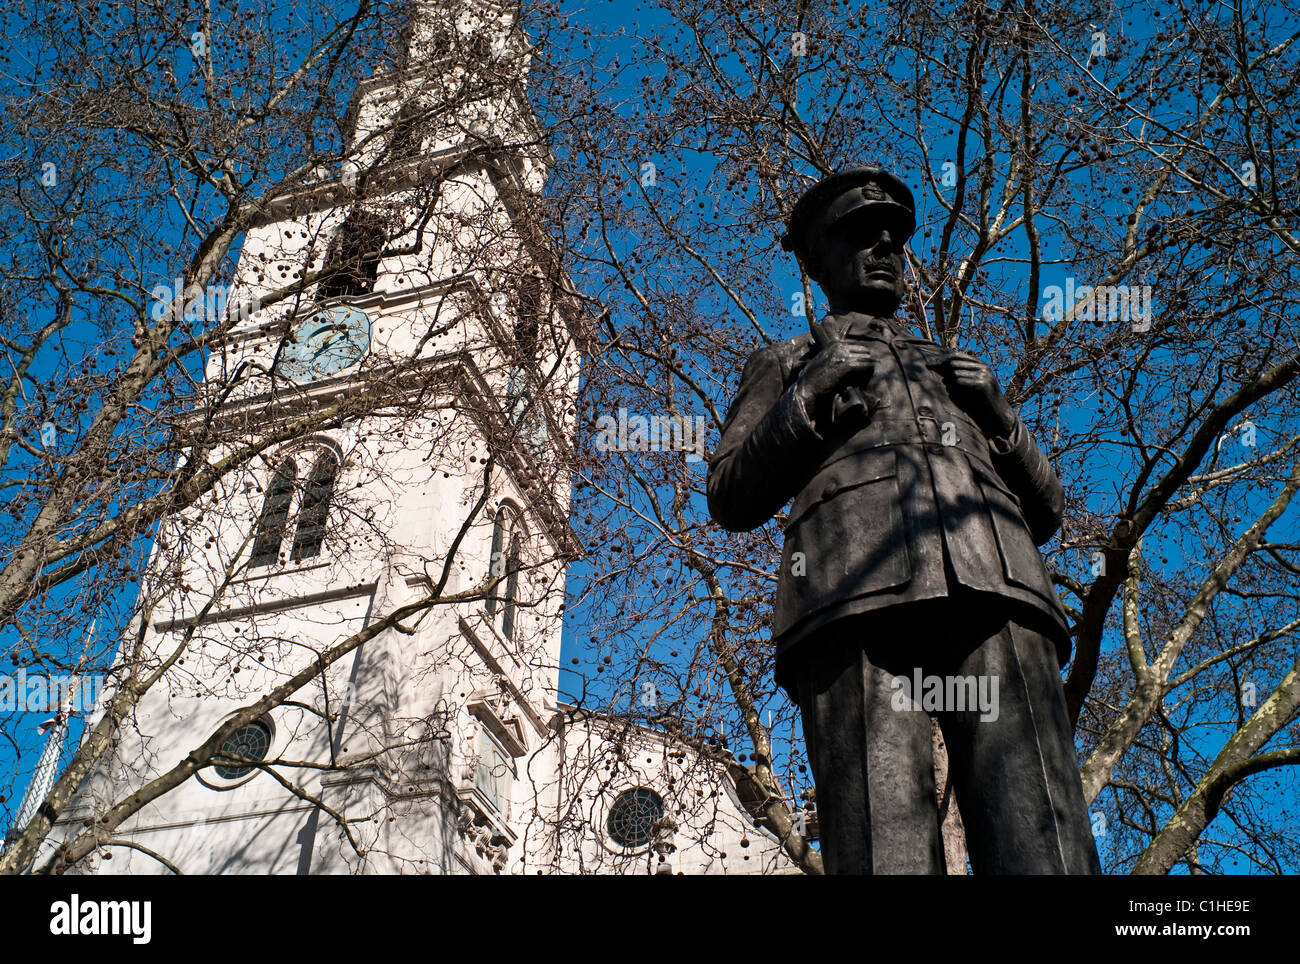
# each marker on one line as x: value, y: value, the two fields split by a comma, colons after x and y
x: 633, y: 816
x: 249, y: 742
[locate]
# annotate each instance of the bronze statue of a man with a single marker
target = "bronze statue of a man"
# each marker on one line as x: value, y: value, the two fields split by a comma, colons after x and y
x: 911, y: 583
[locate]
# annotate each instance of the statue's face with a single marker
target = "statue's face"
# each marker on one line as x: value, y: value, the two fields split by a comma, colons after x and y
x: 861, y: 262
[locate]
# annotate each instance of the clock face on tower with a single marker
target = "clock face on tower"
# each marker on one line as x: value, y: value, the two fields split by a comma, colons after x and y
x: 325, y: 342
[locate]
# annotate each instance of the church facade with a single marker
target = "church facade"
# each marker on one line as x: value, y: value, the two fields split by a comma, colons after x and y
x: 435, y: 359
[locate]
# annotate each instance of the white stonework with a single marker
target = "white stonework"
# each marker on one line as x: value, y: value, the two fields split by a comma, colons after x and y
x: 440, y: 745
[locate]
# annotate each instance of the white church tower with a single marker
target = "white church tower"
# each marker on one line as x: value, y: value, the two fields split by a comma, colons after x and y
x: 410, y: 405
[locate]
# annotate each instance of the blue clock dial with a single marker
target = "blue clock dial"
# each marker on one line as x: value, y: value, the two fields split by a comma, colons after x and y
x: 324, y: 343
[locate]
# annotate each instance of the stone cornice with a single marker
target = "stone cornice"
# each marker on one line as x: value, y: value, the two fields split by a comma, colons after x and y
x: 261, y: 608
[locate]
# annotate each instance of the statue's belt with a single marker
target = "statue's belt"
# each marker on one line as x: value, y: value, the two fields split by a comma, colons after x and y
x: 947, y: 430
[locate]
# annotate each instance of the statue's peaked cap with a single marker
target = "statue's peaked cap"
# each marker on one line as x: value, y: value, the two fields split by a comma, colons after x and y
x: 842, y: 193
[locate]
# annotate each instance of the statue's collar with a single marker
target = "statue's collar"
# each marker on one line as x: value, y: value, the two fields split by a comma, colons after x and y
x: 853, y: 324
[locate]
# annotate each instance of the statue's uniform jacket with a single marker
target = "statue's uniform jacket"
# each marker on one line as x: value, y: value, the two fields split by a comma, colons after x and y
x: 876, y: 515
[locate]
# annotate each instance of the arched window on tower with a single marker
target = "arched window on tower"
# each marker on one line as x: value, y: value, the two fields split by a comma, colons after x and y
x: 528, y: 319
x: 406, y: 139
x: 354, y: 256
x: 315, y: 507
x: 502, y: 602
x: 525, y: 411
x: 302, y: 505
x: 274, y: 518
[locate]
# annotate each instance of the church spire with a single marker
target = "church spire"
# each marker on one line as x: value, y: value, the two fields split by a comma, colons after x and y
x: 464, y: 32
x: 459, y: 84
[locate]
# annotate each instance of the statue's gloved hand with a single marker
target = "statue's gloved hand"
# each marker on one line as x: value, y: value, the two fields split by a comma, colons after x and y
x: 835, y: 368
x: 973, y: 386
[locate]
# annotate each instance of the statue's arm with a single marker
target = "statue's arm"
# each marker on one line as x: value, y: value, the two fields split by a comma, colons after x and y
x: 1028, y: 473
x: 768, y: 450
